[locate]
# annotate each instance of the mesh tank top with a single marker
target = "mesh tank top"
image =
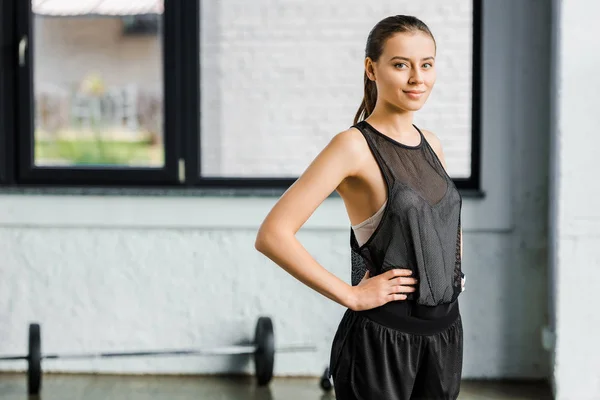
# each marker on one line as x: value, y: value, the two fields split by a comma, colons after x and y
x: 419, y: 227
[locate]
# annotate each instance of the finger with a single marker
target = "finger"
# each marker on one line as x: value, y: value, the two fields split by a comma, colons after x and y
x: 404, y: 281
x: 392, y: 273
x: 403, y: 289
x: 397, y: 296
x: 366, y: 276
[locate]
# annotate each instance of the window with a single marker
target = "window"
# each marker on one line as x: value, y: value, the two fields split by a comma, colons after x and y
x: 146, y: 24
x: 106, y: 94
x: 91, y: 105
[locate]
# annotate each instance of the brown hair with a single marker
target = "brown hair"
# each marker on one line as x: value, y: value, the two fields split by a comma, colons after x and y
x: 375, y: 42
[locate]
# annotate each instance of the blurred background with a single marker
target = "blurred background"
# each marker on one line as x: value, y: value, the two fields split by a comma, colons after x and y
x: 143, y: 142
x: 98, y: 90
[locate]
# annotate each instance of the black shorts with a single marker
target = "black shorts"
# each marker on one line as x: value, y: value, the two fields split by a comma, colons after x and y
x: 372, y: 361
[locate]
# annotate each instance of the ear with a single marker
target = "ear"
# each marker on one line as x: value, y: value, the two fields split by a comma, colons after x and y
x: 370, y: 69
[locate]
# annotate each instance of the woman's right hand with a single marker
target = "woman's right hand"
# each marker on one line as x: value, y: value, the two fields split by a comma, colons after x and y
x: 376, y: 291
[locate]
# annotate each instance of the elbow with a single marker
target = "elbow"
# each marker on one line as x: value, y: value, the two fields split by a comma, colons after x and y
x: 263, y: 241
x: 266, y: 240
x: 260, y: 244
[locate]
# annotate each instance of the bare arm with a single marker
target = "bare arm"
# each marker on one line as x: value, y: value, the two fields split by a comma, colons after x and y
x: 276, y: 238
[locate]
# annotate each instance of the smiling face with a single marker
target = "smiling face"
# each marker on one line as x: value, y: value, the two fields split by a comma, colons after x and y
x: 405, y: 71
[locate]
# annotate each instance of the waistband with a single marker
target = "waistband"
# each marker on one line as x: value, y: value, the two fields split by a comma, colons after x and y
x: 406, y: 316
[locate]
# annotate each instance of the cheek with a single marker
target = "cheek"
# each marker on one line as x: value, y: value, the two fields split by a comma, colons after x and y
x: 430, y: 79
x: 389, y: 80
x: 395, y: 82
x: 389, y: 84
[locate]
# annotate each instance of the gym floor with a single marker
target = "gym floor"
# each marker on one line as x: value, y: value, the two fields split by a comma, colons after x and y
x: 96, y: 387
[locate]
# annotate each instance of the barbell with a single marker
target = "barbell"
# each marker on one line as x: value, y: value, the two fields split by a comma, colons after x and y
x: 263, y: 349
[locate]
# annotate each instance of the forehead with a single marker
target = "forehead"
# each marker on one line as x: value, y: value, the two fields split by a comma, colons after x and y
x: 409, y: 44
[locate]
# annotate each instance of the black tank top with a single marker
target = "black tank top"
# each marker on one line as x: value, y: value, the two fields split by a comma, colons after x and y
x: 419, y: 230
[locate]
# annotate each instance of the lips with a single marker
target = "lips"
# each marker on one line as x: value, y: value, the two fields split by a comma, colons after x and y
x: 414, y: 94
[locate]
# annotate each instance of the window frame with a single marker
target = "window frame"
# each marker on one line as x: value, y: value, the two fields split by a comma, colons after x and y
x: 26, y: 172
x: 182, y: 113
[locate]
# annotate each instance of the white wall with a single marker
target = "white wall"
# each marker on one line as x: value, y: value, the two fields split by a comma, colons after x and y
x: 129, y: 272
x: 288, y: 75
x: 575, y: 219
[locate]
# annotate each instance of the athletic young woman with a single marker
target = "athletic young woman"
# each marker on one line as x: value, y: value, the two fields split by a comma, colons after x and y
x: 401, y: 335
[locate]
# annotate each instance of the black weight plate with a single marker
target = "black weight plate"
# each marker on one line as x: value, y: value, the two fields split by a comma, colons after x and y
x: 325, y: 383
x: 34, y: 361
x: 264, y: 357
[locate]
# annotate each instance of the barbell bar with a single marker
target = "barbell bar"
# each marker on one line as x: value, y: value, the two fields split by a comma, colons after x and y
x: 263, y: 349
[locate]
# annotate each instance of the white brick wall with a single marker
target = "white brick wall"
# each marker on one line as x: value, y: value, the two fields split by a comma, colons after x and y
x: 123, y: 289
x: 280, y: 78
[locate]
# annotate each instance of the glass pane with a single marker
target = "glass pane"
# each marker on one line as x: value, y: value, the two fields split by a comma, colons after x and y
x: 98, y: 83
x: 280, y: 82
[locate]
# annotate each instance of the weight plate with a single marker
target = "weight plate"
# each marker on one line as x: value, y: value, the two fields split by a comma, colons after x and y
x: 34, y: 360
x: 325, y: 383
x: 264, y: 357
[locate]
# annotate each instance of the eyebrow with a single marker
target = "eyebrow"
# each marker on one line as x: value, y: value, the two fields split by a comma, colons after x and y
x: 406, y: 59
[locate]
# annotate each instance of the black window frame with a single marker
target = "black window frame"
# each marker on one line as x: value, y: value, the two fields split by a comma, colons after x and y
x: 18, y: 77
x: 182, y: 113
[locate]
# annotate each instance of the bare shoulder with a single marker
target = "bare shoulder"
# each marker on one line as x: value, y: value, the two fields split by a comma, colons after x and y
x: 352, y: 143
x: 351, y: 140
x: 433, y: 140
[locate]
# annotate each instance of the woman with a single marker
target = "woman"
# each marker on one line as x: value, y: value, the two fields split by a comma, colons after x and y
x: 401, y: 334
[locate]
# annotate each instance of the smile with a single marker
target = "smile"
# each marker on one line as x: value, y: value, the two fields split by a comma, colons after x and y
x: 413, y: 94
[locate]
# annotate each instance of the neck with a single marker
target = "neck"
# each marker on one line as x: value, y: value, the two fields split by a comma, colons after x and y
x: 395, y: 123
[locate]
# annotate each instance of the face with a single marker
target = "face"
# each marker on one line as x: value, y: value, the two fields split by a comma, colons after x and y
x: 405, y: 72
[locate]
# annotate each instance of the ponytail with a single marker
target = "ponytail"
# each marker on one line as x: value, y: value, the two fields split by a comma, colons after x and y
x: 368, y: 103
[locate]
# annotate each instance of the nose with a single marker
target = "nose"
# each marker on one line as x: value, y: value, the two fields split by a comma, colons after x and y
x: 416, y: 77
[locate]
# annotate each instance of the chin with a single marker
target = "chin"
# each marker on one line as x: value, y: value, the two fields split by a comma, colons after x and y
x: 416, y: 106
